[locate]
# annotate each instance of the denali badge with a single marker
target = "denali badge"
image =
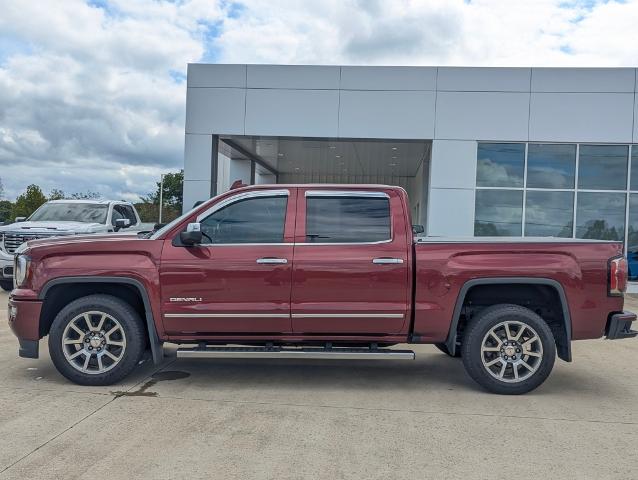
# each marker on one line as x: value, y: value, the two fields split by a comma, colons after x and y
x: 185, y: 299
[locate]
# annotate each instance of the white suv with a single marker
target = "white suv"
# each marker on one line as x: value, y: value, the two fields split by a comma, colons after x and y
x: 62, y: 217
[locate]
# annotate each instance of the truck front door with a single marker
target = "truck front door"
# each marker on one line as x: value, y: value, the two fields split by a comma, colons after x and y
x: 239, y: 279
x: 351, y: 269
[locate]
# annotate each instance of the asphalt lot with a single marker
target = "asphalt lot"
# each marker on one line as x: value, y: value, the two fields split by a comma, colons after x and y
x: 319, y: 419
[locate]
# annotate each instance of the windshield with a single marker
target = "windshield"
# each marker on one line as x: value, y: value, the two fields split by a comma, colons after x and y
x: 71, y: 212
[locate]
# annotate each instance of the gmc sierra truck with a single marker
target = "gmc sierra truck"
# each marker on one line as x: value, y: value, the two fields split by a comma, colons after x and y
x: 315, y: 271
x: 60, y: 218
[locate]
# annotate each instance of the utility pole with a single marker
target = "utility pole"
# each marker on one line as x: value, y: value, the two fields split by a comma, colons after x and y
x: 161, y: 199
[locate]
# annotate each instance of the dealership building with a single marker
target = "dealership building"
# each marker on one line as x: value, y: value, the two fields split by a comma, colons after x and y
x: 481, y: 151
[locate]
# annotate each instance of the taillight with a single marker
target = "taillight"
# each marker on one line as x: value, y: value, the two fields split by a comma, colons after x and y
x: 617, y: 276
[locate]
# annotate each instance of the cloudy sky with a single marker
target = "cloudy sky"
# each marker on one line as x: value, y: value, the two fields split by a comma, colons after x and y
x: 92, y: 93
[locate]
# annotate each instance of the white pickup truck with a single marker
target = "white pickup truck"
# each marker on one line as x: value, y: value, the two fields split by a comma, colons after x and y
x: 62, y: 217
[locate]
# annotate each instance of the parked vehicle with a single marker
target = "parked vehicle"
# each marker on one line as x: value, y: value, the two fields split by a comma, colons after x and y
x: 315, y: 271
x: 61, y: 218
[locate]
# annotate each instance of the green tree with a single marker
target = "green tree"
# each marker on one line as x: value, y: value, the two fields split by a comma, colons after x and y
x: 172, y: 198
x: 28, y: 202
x: 173, y: 191
x: 6, y: 207
x: 88, y: 195
x: 56, y: 194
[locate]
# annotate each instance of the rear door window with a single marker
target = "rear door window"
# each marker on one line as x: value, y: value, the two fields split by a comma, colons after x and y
x: 344, y: 219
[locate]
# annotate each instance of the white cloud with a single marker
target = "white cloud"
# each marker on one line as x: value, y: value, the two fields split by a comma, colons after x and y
x: 89, y: 97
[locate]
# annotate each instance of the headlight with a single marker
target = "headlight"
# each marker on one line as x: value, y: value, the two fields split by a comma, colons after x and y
x: 20, y: 270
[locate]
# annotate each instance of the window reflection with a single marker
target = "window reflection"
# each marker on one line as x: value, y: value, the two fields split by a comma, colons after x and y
x: 498, y: 213
x: 551, y: 165
x: 634, y: 167
x: 600, y: 216
x: 549, y: 214
x: 632, y: 235
x: 253, y: 220
x: 603, y: 167
x: 347, y: 219
x: 500, y: 165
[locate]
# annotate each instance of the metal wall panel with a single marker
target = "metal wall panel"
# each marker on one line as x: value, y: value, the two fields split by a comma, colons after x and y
x: 214, y: 75
x: 194, y: 191
x: 388, y: 78
x: 601, y: 80
x: 311, y: 113
x: 197, y: 157
x: 483, y: 79
x: 215, y: 110
x: 581, y: 117
x: 293, y: 76
x: 453, y: 164
x: 451, y: 212
x: 386, y: 114
x: 481, y: 115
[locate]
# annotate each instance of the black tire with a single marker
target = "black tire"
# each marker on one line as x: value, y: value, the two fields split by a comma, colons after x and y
x: 130, y: 354
x: 6, y: 286
x: 444, y: 349
x: 493, y: 317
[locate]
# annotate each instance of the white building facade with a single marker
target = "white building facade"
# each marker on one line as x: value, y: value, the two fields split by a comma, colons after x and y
x: 481, y: 151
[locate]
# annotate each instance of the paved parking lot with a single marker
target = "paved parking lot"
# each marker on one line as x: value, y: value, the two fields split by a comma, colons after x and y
x: 319, y: 419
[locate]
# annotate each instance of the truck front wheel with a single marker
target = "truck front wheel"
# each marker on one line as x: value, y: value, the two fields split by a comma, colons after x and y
x: 96, y: 340
x: 6, y: 286
x: 508, y: 349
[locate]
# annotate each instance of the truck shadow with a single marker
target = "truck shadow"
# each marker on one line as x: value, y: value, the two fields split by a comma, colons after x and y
x: 429, y: 372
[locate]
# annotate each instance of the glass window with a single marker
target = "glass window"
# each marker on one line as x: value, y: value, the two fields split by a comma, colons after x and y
x: 632, y: 236
x: 71, y: 212
x: 347, y: 219
x: 130, y: 214
x: 498, y: 213
x: 603, y: 167
x: 600, y: 216
x: 549, y: 214
x: 253, y: 220
x: 500, y: 165
x: 634, y: 167
x: 551, y: 166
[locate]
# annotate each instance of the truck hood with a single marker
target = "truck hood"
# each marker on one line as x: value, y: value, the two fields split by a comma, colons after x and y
x: 54, y: 228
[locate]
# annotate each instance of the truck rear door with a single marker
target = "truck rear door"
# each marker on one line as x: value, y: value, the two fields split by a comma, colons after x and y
x: 351, y: 262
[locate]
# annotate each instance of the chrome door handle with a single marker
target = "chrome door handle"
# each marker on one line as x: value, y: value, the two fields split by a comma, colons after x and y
x: 387, y: 260
x: 272, y: 260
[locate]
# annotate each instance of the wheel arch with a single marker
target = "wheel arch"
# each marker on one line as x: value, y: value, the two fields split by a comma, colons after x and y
x: 564, y: 350
x: 132, y: 283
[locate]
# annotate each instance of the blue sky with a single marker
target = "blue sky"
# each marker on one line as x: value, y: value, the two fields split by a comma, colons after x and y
x: 92, y: 93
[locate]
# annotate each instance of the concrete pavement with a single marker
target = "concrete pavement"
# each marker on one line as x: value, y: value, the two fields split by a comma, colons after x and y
x: 319, y: 419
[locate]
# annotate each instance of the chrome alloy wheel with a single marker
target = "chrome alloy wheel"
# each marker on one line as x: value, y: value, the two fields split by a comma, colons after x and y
x: 511, y: 351
x: 93, y: 342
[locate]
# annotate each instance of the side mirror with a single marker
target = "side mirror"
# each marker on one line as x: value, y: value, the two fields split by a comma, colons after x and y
x: 121, y: 223
x: 20, y: 219
x: 192, y: 236
x: 417, y: 229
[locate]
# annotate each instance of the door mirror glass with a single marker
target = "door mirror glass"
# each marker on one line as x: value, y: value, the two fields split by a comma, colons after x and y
x: 192, y: 236
x: 418, y: 229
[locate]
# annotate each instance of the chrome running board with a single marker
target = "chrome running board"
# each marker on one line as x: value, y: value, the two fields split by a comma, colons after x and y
x: 314, y: 353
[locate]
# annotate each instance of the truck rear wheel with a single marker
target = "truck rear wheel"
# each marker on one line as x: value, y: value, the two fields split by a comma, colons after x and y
x: 508, y: 349
x: 96, y: 340
x: 6, y: 286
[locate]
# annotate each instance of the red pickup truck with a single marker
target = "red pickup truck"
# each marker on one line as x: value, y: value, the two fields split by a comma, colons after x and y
x: 315, y: 271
